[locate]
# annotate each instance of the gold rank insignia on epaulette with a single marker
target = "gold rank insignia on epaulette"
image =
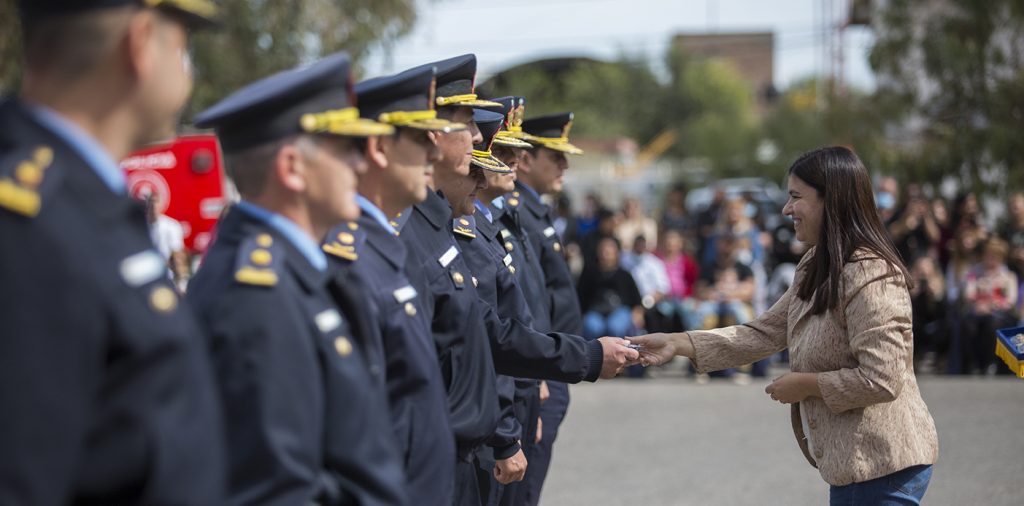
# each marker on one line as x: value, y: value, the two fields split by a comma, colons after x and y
x: 464, y: 226
x: 344, y: 241
x: 19, y: 190
x: 259, y: 258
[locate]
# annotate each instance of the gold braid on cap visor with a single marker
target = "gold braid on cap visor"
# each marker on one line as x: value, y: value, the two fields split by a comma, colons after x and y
x: 199, y: 7
x: 556, y: 143
x: 400, y: 118
x: 342, y: 121
x: 455, y: 99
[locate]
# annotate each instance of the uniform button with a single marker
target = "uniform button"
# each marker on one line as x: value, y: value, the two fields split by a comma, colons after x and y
x: 163, y: 299
x: 818, y: 453
x: 261, y: 257
x: 508, y: 246
x: 457, y: 277
x: 512, y: 269
x: 265, y: 240
x: 410, y: 309
x: 557, y: 246
x: 343, y: 346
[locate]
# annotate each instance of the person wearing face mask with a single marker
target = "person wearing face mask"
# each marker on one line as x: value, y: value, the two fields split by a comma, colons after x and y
x: 857, y: 412
x: 106, y: 388
x: 472, y: 341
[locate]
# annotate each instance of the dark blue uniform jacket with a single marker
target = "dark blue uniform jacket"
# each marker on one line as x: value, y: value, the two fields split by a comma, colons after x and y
x: 105, y: 386
x: 303, y: 412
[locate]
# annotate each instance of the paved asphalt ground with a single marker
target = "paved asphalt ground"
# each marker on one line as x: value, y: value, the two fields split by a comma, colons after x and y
x: 666, y: 440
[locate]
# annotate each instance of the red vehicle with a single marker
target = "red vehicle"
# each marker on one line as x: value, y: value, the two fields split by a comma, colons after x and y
x: 188, y: 177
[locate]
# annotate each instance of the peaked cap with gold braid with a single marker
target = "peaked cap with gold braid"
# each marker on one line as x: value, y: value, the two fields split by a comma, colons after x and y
x: 456, y: 82
x: 317, y: 99
x: 552, y: 132
x: 511, y: 133
x: 488, y: 122
x: 403, y: 100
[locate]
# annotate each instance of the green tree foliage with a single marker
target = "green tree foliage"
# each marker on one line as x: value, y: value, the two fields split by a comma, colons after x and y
x: 10, y: 46
x: 808, y: 115
x: 609, y: 99
x: 954, y: 72
x: 712, y: 107
x: 259, y: 37
x: 706, y: 102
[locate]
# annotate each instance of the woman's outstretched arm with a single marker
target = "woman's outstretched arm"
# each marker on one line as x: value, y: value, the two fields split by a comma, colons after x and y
x: 712, y: 350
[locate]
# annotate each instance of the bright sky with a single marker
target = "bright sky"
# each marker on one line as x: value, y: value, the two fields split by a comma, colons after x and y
x: 505, y: 34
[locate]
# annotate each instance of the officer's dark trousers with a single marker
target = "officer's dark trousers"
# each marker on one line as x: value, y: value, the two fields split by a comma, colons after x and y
x: 538, y: 457
x: 467, y: 488
x: 490, y: 490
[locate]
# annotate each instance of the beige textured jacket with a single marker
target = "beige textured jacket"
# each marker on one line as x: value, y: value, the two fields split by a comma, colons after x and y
x: 871, y: 420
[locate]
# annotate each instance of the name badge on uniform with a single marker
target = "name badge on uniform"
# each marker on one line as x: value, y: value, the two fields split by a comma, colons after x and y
x: 448, y: 256
x: 507, y: 260
x: 143, y: 267
x: 404, y: 294
x: 328, y: 320
x: 548, y: 232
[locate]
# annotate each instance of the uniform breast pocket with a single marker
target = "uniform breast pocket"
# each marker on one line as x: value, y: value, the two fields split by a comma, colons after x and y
x: 151, y: 319
x: 400, y: 302
x: 453, y: 276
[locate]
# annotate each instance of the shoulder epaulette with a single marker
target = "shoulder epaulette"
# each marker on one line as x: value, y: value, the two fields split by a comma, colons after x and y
x: 344, y: 241
x: 259, y: 260
x: 464, y: 226
x: 20, y: 177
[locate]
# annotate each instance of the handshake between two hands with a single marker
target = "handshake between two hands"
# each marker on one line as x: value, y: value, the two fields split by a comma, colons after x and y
x: 657, y: 349
x: 650, y: 349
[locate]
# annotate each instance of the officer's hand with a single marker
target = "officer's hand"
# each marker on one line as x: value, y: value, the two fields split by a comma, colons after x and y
x: 511, y: 469
x: 616, y: 356
x: 540, y: 431
x: 544, y: 392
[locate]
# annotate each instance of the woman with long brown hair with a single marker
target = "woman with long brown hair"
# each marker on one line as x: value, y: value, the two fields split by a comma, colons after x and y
x: 857, y: 412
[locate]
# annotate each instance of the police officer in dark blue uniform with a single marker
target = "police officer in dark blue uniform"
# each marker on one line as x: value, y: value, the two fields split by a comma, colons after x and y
x: 106, y: 390
x: 540, y: 172
x: 466, y: 330
x: 303, y: 411
x: 495, y: 224
x: 368, y: 253
x: 493, y: 266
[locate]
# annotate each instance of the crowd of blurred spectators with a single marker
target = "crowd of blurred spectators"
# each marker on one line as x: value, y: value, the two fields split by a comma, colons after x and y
x: 674, y: 269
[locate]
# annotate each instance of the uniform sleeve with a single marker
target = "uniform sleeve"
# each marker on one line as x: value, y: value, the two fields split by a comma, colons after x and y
x: 520, y: 351
x: 742, y: 344
x: 878, y: 322
x: 267, y: 409
x: 51, y: 357
x: 505, y: 442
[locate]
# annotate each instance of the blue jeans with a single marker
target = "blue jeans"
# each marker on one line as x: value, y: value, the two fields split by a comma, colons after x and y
x: 905, y: 487
x: 616, y: 324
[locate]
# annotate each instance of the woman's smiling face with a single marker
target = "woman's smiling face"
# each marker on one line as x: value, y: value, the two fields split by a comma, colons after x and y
x: 806, y: 207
